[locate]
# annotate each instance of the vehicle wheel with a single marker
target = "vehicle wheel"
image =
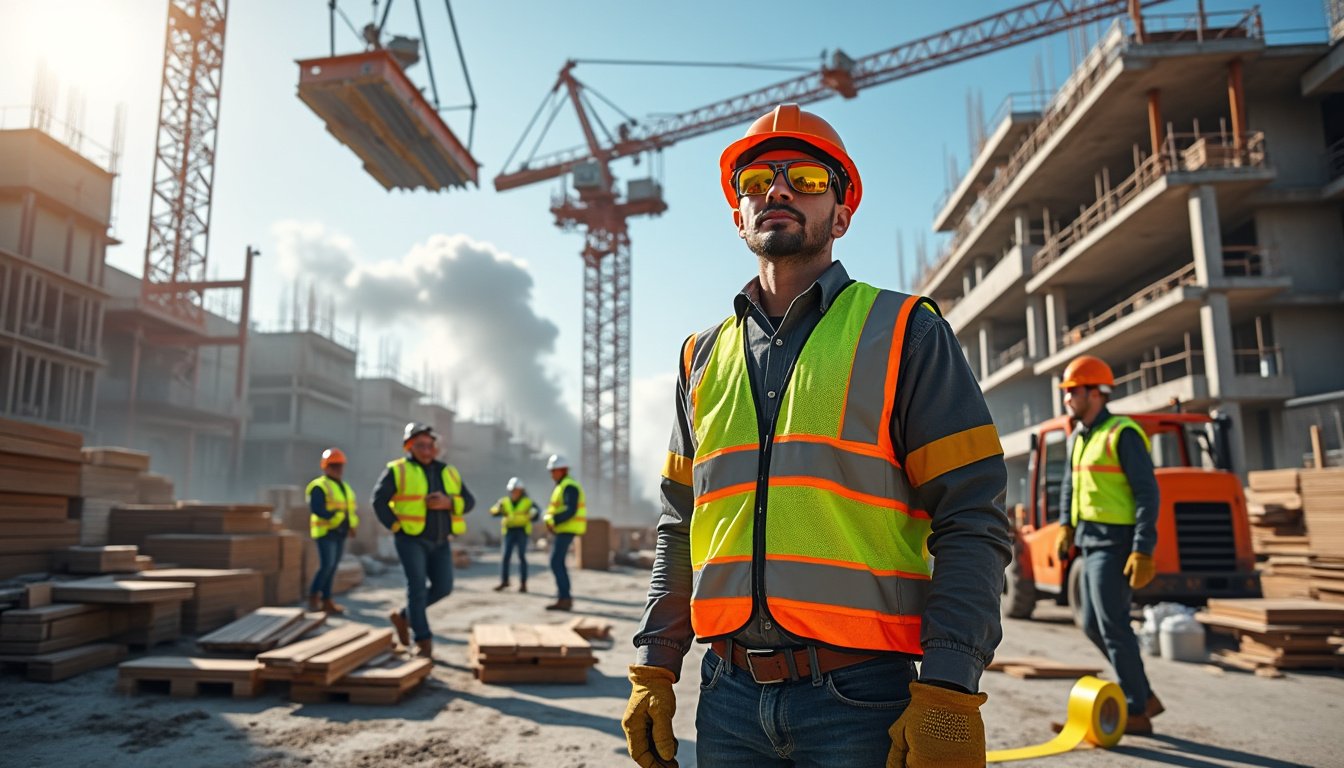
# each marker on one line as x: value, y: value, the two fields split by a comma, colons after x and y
x: 1019, y: 593
x: 1075, y: 590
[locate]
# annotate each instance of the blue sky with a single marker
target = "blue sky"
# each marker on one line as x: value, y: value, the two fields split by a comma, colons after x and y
x: 276, y: 163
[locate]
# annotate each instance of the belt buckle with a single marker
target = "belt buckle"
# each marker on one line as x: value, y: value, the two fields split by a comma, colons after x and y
x: 752, y: 668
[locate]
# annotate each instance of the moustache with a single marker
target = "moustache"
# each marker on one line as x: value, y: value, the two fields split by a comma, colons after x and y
x: 778, y: 208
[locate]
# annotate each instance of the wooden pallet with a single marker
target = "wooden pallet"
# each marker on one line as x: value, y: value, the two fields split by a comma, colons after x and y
x: 62, y: 665
x: 186, y: 676
x: 260, y: 630
x: 385, y: 682
x: 529, y: 653
x: 326, y: 668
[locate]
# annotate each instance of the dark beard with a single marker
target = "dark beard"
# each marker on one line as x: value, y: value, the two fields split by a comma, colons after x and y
x: 780, y: 246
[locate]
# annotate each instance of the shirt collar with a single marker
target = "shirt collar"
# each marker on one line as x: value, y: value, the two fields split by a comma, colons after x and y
x: 827, y: 287
x: 1102, y: 416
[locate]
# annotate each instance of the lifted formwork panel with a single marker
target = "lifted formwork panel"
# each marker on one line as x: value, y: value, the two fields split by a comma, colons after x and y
x: 370, y: 105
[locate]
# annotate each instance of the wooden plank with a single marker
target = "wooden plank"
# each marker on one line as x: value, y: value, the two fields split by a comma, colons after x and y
x: 1247, y: 625
x: 125, y: 458
x: 257, y: 631
x: 38, y: 544
x: 494, y: 639
x: 24, y: 563
x: 1271, y: 611
x: 62, y: 665
x: 123, y: 591
x: 300, y: 628
x: 31, y: 431
x: 531, y: 673
x: 35, y: 595
x: 328, y: 667
x: 29, y: 447
x: 186, y: 676
x: 46, y: 613
x: 395, y: 672
x: 293, y: 656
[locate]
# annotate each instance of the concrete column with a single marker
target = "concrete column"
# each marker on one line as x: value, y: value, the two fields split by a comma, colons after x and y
x: 1236, y: 438
x: 986, y: 349
x: 1036, y: 334
x: 1206, y: 236
x: 1056, y: 396
x: 1056, y: 316
x: 1215, y: 325
x: 981, y: 269
x: 967, y: 281
x: 1021, y: 227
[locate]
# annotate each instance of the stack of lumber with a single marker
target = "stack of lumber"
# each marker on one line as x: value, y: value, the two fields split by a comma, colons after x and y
x: 62, y: 665
x: 1036, y: 668
x: 529, y: 653
x: 386, y: 679
x: 1277, y: 634
x: 134, y: 523
x: 55, y: 627
x: 46, y: 460
x: 110, y: 477
x: 1274, y: 506
x: 1286, y: 576
x: 116, y: 558
x: 260, y: 552
x: 1323, y: 506
x: 154, y: 488
x: 261, y: 630
x: 221, y: 596
x: 144, y: 613
x: 286, y: 585
x: 349, y: 574
x: 322, y: 660
x: 1327, y: 579
x: 183, y: 676
x: 595, y: 545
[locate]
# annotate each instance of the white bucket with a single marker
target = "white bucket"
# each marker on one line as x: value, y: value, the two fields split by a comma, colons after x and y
x: 1181, y: 638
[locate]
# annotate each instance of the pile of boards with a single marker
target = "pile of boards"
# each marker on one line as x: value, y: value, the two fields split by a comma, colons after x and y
x: 110, y: 477
x: 352, y: 663
x: 529, y: 653
x: 1277, y: 634
x: 1037, y: 668
x: 32, y: 525
x: 1297, y: 526
x: 67, y: 628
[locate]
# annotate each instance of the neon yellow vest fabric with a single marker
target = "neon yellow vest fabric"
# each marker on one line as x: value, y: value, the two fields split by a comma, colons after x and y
x: 409, y: 502
x: 341, y: 505
x: 1101, y: 492
x: 514, y: 516
x: 578, y: 524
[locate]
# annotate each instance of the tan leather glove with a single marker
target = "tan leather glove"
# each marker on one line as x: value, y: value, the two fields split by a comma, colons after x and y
x: 1140, y: 569
x: 648, y: 717
x: 1064, y: 540
x: 940, y: 728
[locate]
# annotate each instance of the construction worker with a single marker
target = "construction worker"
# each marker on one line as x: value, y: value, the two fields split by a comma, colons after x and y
x: 1108, y: 510
x: 566, y: 517
x: 518, y: 513
x: 332, y: 518
x: 825, y: 431
x: 422, y: 501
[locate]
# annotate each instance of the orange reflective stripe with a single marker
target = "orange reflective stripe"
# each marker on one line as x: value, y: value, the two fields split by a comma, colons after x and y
x: 724, y: 559
x: 411, y: 518
x: 848, y: 627
x: 952, y: 452
x: 731, y: 490
x: 1077, y: 468
x: 404, y: 497
x: 840, y: 490
x: 677, y: 468
x: 842, y: 564
x: 703, y: 457
x: 687, y: 353
x: 893, y: 377
x: 718, y: 616
x: 864, y: 449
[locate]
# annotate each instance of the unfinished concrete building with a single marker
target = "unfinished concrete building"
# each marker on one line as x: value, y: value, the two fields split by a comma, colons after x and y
x: 1175, y: 209
x: 55, y: 209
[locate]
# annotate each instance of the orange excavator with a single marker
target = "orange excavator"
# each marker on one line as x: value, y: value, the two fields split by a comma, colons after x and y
x: 1203, y: 536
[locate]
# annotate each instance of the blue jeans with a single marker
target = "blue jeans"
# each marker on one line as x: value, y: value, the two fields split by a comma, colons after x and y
x: 841, y: 723
x: 1104, y: 608
x: 558, y: 552
x: 514, y: 538
x: 423, y: 561
x: 329, y: 549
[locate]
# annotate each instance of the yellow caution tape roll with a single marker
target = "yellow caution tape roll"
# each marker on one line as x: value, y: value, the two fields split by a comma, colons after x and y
x: 1097, y: 713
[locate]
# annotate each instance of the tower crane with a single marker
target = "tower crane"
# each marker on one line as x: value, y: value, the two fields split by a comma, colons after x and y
x: 602, y: 211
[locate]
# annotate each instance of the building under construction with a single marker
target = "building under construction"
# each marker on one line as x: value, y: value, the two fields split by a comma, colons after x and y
x: 1175, y: 208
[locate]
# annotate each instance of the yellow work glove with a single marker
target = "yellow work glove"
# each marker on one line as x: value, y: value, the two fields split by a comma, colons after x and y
x: 648, y: 717
x: 940, y: 728
x: 1064, y: 540
x: 1140, y: 569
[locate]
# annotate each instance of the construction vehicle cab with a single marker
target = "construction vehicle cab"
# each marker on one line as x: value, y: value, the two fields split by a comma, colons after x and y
x: 1203, y: 536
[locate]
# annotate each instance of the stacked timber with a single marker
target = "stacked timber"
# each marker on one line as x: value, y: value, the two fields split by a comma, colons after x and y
x: 322, y: 660
x: 386, y: 679
x: 529, y: 653
x: 1277, y: 634
x: 144, y: 613
x: 39, y: 478
x: 261, y: 630
x: 221, y: 595
x: 1323, y: 506
x: 259, y: 552
x: 110, y: 477
x: 1037, y: 668
x: 90, y: 560
x: 55, y: 627
x: 1278, y: 534
x: 287, y: 585
x: 183, y: 676
x: 595, y: 545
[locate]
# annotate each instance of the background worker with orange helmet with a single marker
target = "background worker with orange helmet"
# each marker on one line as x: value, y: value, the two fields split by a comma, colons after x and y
x: 826, y: 431
x: 332, y: 517
x: 1108, y: 510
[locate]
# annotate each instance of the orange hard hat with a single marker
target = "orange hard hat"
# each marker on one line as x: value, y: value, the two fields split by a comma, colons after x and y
x: 1088, y: 371
x: 333, y: 456
x: 787, y: 121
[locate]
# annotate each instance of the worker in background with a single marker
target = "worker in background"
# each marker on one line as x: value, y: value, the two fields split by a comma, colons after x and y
x: 518, y: 513
x: 332, y: 518
x: 566, y: 517
x: 1108, y: 510
x: 825, y: 431
x: 422, y: 501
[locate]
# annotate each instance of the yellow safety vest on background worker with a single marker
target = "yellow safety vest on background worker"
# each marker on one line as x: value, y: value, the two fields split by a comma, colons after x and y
x: 409, y: 502
x: 578, y: 524
x: 1101, y: 492
x: 341, y: 508
x: 843, y: 545
x: 519, y: 516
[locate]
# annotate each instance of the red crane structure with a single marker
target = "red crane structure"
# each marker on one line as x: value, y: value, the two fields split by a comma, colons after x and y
x: 602, y: 211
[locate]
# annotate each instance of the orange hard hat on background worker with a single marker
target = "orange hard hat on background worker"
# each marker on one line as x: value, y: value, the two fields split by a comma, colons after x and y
x: 787, y: 121
x: 1088, y: 371
x: 333, y: 456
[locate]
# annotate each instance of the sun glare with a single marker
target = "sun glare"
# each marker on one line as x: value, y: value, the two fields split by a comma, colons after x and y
x: 84, y: 44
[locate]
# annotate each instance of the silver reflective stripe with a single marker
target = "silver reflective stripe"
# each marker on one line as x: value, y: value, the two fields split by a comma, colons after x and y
x: 725, y: 470
x: 868, y: 378
x: 796, y: 458
x: 730, y: 579
x: 845, y: 587
x: 704, y: 345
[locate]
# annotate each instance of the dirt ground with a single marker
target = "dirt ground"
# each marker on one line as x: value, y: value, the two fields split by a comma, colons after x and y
x: 1213, y: 719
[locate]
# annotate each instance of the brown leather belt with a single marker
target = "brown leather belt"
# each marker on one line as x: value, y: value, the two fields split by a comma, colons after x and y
x: 772, y: 665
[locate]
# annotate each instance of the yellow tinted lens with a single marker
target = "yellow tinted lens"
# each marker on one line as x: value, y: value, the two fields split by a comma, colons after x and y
x: 809, y: 179
x: 755, y: 180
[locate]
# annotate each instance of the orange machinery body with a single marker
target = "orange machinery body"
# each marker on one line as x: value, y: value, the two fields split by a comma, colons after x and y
x: 1203, y: 534
x: 370, y: 105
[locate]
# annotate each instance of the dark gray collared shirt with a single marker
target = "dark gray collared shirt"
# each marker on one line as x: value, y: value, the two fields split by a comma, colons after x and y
x: 937, y: 397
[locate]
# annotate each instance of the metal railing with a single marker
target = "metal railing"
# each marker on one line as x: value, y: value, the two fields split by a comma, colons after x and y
x: 1008, y: 356
x: 1334, y: 160
x: 1094, y: 323
x: 1265, y: 362
x: 1181, y: 152
x: 1246, y: 261
x: 1199, y: 27
x: 1160, y: 370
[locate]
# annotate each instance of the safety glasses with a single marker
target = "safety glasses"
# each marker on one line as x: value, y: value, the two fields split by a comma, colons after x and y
x: 806, y: 177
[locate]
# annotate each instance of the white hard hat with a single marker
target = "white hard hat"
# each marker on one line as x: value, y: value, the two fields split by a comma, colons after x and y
x: 557, y: 461
x: 514, y: 483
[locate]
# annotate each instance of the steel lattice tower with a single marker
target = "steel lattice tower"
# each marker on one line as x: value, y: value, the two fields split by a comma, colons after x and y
x: 606, y: 363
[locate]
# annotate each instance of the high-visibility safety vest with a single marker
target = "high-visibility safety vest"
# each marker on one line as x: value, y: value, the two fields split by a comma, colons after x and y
x: 819, y: 520
x: 578, y: 524
x: 1101, y: 492
x: 409, y: 502
x: 340, y: 506
x: 515, y: 515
